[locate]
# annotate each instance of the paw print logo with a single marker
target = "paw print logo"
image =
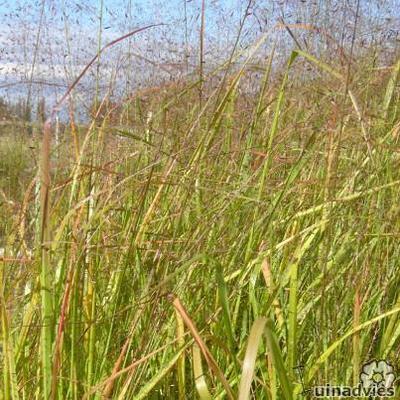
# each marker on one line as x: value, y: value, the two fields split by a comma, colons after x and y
x: 377, y: 374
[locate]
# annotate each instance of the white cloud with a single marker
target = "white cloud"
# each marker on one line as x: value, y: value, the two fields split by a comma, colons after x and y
x: 44, y: 71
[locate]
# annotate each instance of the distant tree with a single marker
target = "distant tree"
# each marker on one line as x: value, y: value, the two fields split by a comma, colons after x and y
x: 41, y: 110
x: 27, y: 117
x: 4, y: 110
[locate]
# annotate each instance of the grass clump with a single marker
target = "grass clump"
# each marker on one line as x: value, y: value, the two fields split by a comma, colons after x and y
x: 182, y: 238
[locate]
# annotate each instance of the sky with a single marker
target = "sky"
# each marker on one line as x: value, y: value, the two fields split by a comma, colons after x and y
x: 67, y: 37
x: 59, y: 59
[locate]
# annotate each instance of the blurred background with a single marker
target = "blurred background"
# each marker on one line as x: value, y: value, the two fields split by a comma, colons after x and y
x: 45, y: 44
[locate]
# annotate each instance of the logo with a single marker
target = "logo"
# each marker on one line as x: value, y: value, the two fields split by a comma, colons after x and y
x: 377, y: 374
x: 377, y: 379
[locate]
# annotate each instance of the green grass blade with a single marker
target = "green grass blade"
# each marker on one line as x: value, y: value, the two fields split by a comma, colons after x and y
x: 249, y: 361
x: 199, y: 379
x: 278, y: 363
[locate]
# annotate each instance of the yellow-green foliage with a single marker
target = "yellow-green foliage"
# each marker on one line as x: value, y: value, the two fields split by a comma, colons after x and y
x: 184, y: 259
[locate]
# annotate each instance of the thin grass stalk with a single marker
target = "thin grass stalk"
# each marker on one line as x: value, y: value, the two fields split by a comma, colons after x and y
x: 356, y: 338
x: 186, y: 35
x: 324, y: 246
x: 99, y: 44
x: 74, y: 336
x: 47, y: 314
x: 33, y: 66
x: 10, y: 389
x: 292, y: 323
x: 58, y: 346
x: 181, y: 364
x: 201, y: 51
